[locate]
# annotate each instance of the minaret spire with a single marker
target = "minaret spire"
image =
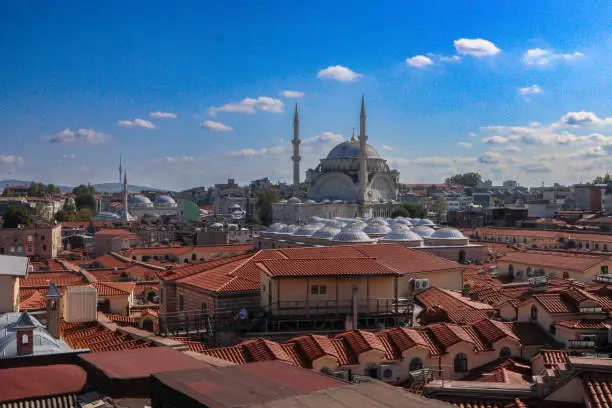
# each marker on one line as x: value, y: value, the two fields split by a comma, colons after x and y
x: 125, y: 197
x: 296, y: 158
x: 363, y: 171
x: 120, y: 168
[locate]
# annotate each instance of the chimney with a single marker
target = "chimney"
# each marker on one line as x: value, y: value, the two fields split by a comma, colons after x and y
x: 54, y: 310
x: 355, y: 306
x: 24, y: 330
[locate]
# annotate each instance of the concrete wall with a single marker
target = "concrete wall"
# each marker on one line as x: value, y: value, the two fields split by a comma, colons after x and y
x: 479, y: 252
x: 447, y: 279
x: 573, y: 391
x: 559, y: 272
x: 507, y: 311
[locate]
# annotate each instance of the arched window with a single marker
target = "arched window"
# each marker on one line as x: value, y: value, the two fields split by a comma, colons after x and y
x: 416, y: 364
x: 534, y: 312
x: 511, y: 271
x: 25, y: 339
x: 461, y: 363
x: 194, y: 257
x: 505, y: 352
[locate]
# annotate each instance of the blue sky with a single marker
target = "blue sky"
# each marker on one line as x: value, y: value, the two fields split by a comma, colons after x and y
x: 510, y: 89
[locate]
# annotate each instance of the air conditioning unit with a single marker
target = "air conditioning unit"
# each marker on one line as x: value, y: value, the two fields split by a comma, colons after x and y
x: 342, y: 374
x: 389, y: 373
x: 420, y: 284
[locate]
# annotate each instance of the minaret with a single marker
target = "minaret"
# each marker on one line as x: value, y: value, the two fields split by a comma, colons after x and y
x: 125, y: 197
x: 296, y: 153
x: 120, y: 169
x: 363, y: 171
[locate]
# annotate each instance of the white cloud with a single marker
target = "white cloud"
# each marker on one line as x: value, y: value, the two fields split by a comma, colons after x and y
x: 387, y: 147
x: 65, y: 157
x: 465, y: 144
x: 419, y: 61
x: 441, y: 161
x: 11, y: 159
x: 453, y: 58
x: 577, y: 119
x: 531, y: 90
x: 250, y: 106
x: 489, y: 158
x: 339, y: 73
x: 322, y: 142
x: 476, y: 47
x: 292, y: 94
x: 265, y: 152
x: 536, y: 168
x: 216, y: 126
x: 137, y: 123
x: 541, y: 57
x: 163, y: 115
x: 513, y: 149
x: 495, y: 140
x: 472, y: 134
x: 81, y: 135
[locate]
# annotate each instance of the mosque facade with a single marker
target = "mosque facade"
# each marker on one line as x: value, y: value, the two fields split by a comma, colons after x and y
x: 352, y: 181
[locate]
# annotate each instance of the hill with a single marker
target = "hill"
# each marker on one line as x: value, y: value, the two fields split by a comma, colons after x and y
x: 101, y: 187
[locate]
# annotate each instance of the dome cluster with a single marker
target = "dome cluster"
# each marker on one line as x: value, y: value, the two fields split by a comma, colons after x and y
x: 162, y: 202
x: 405, y: 231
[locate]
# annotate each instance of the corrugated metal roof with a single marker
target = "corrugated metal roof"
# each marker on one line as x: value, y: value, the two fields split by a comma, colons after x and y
x: 14, y: 265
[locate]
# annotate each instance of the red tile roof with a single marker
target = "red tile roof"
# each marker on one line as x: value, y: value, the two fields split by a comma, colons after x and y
x: 491, y: 331
x: 553, y: 358
x: 114, y: 288
x: 112, y: 261
x: 446, y: 335
x: 314, y: 346
x: 232, y: 354
x: 96, y: 337
x: 404, y: 339
x: 324, y: 267
x: 60, y: 279
x: 584, y: 324
x: 555, y: 303
x: 406, y: 260
x: 206, y: 251
x: 121, y: 320
x: 360, y: 341
x: 598, y: 389
x: 570, y: 262
x: 263, y: 350
x: 344, y: 353
x: 457, y: 309
x: 36, y: 301
x: 509, y: 371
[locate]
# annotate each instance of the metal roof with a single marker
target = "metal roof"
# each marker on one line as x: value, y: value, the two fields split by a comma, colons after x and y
x: 14, y: 265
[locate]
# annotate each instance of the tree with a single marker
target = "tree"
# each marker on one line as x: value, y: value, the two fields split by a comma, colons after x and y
x: 83, y: 189
x: 602, y: 180
x: 265, y: 199
x: 400, y: 212
x: 84, y: 215
x: 16, y: 216
x: 86, y: 200
x: 64, y: 215
x: 470, y: 179
x: 440, y: 206
x: 415, y: 210
x: 51, y: 189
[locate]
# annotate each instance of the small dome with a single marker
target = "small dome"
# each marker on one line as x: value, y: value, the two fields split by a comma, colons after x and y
x: 326, y: 233
x: 235, y: 207
x: 401, y: 233
x: 401, y: 221
x: 376, y: 229
x: 378, y: 221
x: 294, y: 200
x: 351, y: 234
x: 216, y: 225
x: 309, y: 201
x: 275, y: 228
x: 421, y: 221
x: 447, y: 233
x: 164, y: 199
x: 423, y: 230
x: 335, y: 224
x: 306, y: 230
x: 140, y: 201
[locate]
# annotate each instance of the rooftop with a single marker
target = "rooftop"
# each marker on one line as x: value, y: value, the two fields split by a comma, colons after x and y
x: 14, y: 265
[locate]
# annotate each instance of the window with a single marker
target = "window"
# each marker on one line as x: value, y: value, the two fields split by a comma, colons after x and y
x: 53, y: 305
x: 586, y: 245
x: 566, y: 275
x: 25, y: 339
x: 44, y: 247
x: 534, y: 312
x: 322, y: 289
x: 505, y: 352
x: 604, y: 269
x: 314, y: 290
x: 606, y: 247
x: 204, y: 307
x: 42, y: 237
x: 596, y: 246
x: 416, y: 364
x: 181, y: 303
x: 461, y: 363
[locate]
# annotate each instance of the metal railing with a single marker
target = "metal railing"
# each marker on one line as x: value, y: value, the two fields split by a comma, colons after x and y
x: 369, y: 307
x: 581, y: 344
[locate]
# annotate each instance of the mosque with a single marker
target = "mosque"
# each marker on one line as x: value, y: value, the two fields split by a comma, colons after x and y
x: 352, y: 181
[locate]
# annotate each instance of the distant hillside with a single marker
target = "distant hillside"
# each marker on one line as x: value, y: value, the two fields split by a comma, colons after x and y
x: 102, y: 187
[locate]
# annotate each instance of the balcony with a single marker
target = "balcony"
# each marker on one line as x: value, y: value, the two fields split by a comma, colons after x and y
x: 365, y: 307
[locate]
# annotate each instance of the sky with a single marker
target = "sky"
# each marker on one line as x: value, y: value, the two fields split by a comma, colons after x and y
x: 193, y: 93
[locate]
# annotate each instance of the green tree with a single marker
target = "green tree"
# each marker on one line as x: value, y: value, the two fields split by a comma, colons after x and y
x: 86, y: 200
x: 16, y: 216
x: 52, y: 189
x: 253, y: 219
x: 64, y: 215
x: 470, y: 179
x: 602, y: 180
x: 415, y: 210
x: 83, y: 189
x: 265, y: 199
x: 400, y: 212
x: 440, y: 206
x: 84, y: 215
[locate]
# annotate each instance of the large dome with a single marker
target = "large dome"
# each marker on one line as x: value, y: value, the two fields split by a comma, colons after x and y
x: 350, y: 150
x: 306, y: 230
x: 447, y: 233
x: 165, y: 201
x: 401, y: 233
x: 140, y: 201
x: 352, y: 234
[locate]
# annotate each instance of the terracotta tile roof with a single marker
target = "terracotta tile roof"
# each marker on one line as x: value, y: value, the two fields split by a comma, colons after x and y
x: 406, y: 260
x: 206, y: 251
x: 60, y: 279
x: 114, y: 288
x: 314, y: 346
x: 115, y: 232
x: 584, y: 324
x: 233, y: 354
x: 263, y: 350
x: 509, y: 371
x: 360, y: 341
x: 232, y: 275
x: 343, y: 351
x: 446, y: 335
x: 391, y: 352
x: 195, y: 346
x: 138, y: 271
x: 96, y: 337
x: 151, y: 312
x: 112, y: 261
x: 325, y: 267
x: 553, y: 358
x: 570, y: 262
x: 491, y: 331
x: 555, y: 303
x: 293, y: 351
x: 184, y: 271
x: 404, y: 339
x: 121, y: 320
x: 598, y: 389
x: 36, y: 301
x: 455, y: 309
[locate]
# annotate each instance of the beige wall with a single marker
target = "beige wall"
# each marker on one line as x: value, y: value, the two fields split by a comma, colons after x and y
x: 545, y: 319
x: 9, y: 294
x: 573, y: 391
x: 447, y: 279
x: 119, y: 304
x: 507, y: 311
x: 586, y: 276
x: 564, y: 334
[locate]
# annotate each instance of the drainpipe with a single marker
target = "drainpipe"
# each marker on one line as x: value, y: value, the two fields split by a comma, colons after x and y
x: 355, y: 308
